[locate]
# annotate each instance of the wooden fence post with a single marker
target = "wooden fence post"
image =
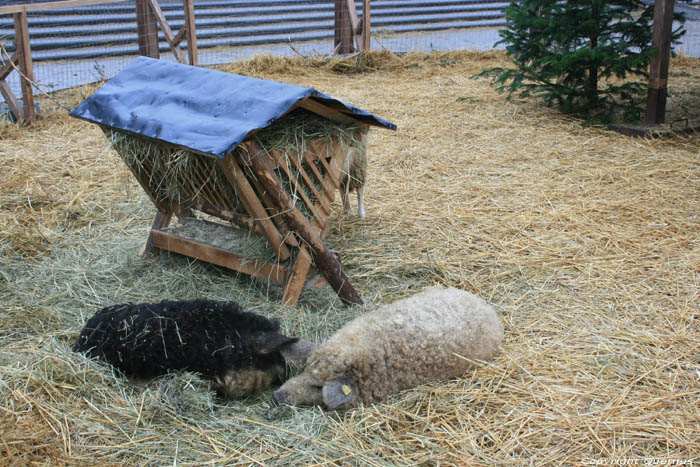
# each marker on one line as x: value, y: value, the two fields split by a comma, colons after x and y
x: 191, y: 37
x: 365, y: 25
x: 24, y: 57
x: 147, y: 29
x: 343, y: 28
x: 658, y: 69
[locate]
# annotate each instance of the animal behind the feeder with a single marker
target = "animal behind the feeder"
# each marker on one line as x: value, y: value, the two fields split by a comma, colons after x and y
x: 354, y: 174
x: 241, y: 352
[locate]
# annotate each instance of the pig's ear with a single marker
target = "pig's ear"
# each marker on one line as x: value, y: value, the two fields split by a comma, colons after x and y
x: 270, y: 342
x: 337, y: 393
x: 298, y: 351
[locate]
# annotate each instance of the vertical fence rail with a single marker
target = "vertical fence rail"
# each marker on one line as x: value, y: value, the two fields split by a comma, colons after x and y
x: 22, y: 62
x: 150, y: 16
x: 351, y: 33
x: 365, y: 25
x: 147, y: 29
x: 191, y: 33
x: 343, y: 30
x: 25, y: 64
x: 658, y: 69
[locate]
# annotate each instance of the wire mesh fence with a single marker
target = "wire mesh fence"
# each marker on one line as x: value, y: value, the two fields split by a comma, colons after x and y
x: 84, y: 42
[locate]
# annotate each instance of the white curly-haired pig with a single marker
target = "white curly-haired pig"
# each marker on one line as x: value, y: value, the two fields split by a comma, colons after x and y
x: 433, y: 335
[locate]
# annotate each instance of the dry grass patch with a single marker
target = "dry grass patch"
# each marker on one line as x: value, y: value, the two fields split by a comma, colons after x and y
x: 586, y: 242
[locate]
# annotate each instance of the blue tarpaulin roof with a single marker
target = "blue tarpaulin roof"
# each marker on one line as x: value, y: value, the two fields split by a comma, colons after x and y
x: 205, y: 110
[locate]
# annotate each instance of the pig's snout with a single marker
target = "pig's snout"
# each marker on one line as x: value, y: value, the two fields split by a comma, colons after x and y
x: 280, y: 397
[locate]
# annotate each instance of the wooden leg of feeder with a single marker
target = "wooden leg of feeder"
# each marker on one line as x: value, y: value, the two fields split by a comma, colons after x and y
x: 324, y: 259
x: 297, y: 278
x: 161, y: 221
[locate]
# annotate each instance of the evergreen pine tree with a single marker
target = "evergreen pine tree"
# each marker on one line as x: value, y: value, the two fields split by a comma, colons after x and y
x: 566, y: 52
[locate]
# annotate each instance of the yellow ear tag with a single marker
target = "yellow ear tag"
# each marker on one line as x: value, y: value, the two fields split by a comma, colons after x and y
x: 346, y: 389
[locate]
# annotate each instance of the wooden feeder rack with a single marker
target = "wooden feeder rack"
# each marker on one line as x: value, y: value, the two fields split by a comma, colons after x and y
x: 250, y: 172
x: 266, y: 158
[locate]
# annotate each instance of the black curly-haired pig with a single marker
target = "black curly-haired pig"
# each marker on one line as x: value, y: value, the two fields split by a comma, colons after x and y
x: 240, y: 352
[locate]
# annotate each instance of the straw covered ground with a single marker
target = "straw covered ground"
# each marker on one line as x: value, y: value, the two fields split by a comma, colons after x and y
x: 586, y: 242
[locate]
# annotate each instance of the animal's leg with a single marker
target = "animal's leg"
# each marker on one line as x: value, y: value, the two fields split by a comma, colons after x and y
x: 345, y: 193
x: 361, y: 202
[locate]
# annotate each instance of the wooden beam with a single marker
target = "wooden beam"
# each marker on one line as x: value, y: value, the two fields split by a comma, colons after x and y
x: 161, y: 221
x: 167, y: 32
x: 11, y: 100
x: 237, y: 219
x: 191, y: 32
x: 299, y: 168
x: 180, y: 36
x: 247, y: 195
x: 352, y: 15
x: 315, y: 281
x: 9, y: 67
x: 296, y: 186
x: 8, y: 10
x: 324, y: 259
x: 316, y: 107
x: 147, y: 29
x: 24, y: 54
x: 297, y: 278
x: 658, y: 69
x: 214, y: 255
x: 366, y: 25
x: 331, y: 154
x: 356, y: 26
x: 343, y: 36
x: 6, y: 91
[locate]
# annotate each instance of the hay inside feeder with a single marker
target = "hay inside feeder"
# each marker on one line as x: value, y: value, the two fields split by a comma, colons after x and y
x: 173, y: 175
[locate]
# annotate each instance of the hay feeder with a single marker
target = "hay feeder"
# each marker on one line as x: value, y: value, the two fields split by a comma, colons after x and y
x: 263, y: 157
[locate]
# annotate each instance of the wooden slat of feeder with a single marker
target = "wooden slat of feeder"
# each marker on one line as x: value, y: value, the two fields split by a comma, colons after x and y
x: 324, y: 259
x: 247, y: 207
x: 235, y: 175
x: 205, y: 169
x: 143, y: 175
x: 331, y: 155
x: 271, y: 209
x: 280, y: 221
x: 328, y: 150
x: 297, y: 188
x: 186, y: 195
x: 202, y: 189
x: 269, y: 206
x: 297, y: 277
x: 328, y: 191
x: 237, y: 219
x: 144, y: 182
x: 289, y: 237
x: 322, y: 200
x: 314, y: 282
x: 225, y: 258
